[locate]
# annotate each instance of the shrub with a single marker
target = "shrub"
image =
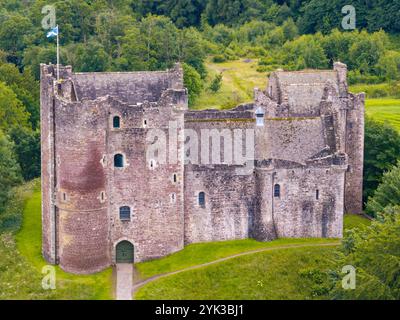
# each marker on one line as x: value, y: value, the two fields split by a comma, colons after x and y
x: 320, y: 282
x: 192, y: 81
x: 10, y: 171
x: 387, y: 194
x: 11, y: 216
x: 219, y: 58
x: 216, y: 83
x: 354, y: 77
x: 374, y: 252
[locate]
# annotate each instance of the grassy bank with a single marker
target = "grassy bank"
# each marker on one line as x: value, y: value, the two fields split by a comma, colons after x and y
x: 269, y: 275
x: 279, y: 274
x: 352, y: 221
x: 200, y: 253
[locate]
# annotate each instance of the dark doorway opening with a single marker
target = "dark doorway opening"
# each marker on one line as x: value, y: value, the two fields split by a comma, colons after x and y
x: 124, y: 252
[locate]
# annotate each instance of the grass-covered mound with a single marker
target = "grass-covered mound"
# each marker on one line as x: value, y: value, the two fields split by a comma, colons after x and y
x: 277, y: 274
x: 200, y: 253
x: 284, y: 271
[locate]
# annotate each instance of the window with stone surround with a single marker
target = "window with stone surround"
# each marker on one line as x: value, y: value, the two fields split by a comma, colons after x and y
x: 202, y: 199
x: 317, y: 194
x: 116, y: 122
x: 277, y: 191
x: 118, y: 161
x: 125, y: 213
x: 260, y: 117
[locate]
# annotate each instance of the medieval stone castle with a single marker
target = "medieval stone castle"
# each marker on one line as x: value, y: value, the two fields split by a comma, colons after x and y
x: 104, y: 201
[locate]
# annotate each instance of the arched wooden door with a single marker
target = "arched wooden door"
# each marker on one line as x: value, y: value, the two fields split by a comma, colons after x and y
x: 124, y: 252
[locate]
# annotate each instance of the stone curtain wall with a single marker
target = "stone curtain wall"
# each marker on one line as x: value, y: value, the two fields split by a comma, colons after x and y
x: 229, y: 196
x: 293, y: 139
x: 229, y: 204
x: 298, y: 213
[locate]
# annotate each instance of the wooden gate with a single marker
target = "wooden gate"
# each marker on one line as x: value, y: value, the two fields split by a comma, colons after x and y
x: 124, y: 252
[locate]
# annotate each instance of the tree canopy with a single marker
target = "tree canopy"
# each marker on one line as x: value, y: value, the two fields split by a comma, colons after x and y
x: 382, y: 151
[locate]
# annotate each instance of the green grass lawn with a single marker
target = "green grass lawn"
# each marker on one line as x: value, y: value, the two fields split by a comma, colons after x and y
x: 26, y: 260
x: 276, y: 274
x: 384, y: 110
x: 352, y: 221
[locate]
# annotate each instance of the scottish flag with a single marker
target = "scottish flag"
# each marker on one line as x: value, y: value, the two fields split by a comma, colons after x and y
x: 53, y: 32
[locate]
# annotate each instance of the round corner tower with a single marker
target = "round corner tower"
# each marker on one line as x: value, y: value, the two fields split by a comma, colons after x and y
x: 75, y: 223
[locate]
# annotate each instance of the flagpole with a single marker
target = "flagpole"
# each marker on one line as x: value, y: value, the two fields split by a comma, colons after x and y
x: 58, y: 56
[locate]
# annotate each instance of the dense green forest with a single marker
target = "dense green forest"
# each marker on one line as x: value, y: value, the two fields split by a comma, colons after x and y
x: 124, y: 35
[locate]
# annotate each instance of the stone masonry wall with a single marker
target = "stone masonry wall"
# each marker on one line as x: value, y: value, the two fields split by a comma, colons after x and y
x: 47, y: 164
x: 228, y: 192
x: 355, y: 151
x: 229, y: 204
x: 298, y: 213
x: 156, y: 200
x: 293, y: 139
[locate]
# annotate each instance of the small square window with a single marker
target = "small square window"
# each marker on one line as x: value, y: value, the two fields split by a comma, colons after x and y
x: 125, y: 213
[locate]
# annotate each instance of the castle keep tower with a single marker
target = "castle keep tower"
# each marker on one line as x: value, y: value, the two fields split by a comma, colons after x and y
x: 107, y: 199
x: 99, y: 188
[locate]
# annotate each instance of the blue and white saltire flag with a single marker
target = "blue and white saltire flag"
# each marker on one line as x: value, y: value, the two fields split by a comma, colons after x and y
x: 53, y: 32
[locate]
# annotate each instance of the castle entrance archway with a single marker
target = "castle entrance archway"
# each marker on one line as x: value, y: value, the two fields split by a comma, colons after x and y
x: 124, y: 252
